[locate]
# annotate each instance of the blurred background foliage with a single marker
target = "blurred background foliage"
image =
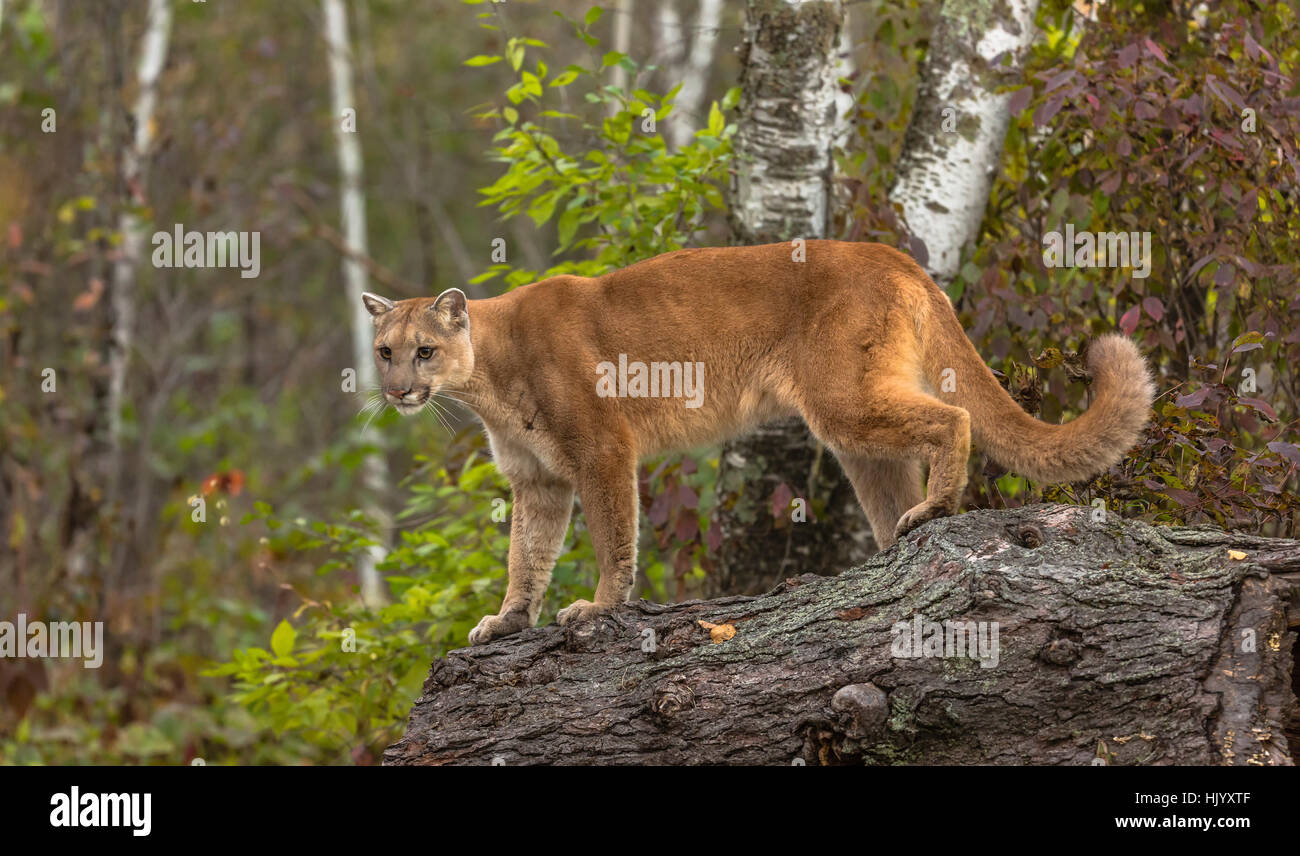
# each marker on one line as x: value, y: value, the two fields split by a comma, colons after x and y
x: 243, y: 639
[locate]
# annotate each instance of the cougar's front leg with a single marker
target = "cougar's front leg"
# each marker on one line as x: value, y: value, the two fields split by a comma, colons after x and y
x: 538, y: 521
x: 607, y: 489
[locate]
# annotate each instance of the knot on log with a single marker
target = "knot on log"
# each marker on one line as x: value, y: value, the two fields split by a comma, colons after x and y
x: 671, y: 698
x: 1062, y: 652
x: 442, y: 674
x: 1028, y: 535
x: 861, y: 708
x: 592, y: 636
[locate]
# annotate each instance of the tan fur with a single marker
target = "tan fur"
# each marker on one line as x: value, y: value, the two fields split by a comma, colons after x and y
x: 855, y: 340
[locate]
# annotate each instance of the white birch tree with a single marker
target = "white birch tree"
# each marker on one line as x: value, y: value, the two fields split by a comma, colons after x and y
x: 623, y: 10
x: 135, y: 156
x: 689, y: 53
x: 954, y: 141
x: 788, y: 120
x: 352, y: 212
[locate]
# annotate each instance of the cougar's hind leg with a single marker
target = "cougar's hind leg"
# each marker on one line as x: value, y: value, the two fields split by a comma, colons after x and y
x: 886, y: 489
x: 889, y: 417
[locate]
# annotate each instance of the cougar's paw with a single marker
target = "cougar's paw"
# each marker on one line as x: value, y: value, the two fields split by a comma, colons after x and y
x: 495, y: 626
x: 918, y: 514
x: 580, y: 610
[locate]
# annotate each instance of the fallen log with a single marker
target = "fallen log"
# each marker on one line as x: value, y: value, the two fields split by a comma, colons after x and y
x: 1093, y: 641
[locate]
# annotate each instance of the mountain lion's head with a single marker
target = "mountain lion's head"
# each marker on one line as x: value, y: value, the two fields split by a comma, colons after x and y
x: 421, y: 346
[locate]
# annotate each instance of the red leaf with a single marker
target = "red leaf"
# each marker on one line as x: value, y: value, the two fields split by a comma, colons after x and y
x: 1044, y: 114
x: 1262, y: 407
x: 1020, y: 99
x: 688, y: 525
x: 781, y: 501
x: 1154, y: 307
x: 1143, y: 110
x: 1060, y: 79
x: 1181, y: 496
x: 1192, y: 399
x: 659, y: 509
x: 1200, y: 263
x: 1129, y: 322
x: 919, y: 251
x: 1252, y: 47
x: 686, y: 497
x: 682, y: 563
x: 1286, y: 450
x: 1193, y: 157
x: 1155, y: 49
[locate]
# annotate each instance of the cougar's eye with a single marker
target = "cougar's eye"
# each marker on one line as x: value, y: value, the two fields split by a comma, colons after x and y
x: 385, y: 353
x: 425, y: 353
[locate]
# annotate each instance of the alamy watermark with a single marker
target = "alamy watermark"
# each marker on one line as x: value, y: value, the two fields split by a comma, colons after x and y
x: 977, y: 640
x: 1098, y: 249
x: 54, y: 639
x: 654, y: 380
x: 130, y: 810
x: 183, y: 249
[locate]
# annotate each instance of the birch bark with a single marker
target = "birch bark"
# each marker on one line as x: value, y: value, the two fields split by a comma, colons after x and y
x: 954, y: 141
x: 153, y: 56
x: 352, y: 213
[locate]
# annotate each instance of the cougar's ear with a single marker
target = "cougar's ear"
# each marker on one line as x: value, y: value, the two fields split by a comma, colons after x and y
x: 375, y: 304
x: 451, y: 310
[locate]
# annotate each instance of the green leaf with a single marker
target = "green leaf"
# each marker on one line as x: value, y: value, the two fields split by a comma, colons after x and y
x: 515, y: 50
x: 564, y: 78
x: 592, y: 16
x: 716, y: 120
x: 482, y: 59
x: 283, y: 638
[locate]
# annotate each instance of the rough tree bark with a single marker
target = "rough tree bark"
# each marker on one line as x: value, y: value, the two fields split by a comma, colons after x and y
x: 1116, y: 640
x: 954, y: 140
x: 786, y: 129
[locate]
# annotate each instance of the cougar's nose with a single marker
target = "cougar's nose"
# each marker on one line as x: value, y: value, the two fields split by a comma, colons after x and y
x: 397, y: 393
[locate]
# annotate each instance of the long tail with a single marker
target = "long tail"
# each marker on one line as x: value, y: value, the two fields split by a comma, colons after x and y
x: 1076, y: 451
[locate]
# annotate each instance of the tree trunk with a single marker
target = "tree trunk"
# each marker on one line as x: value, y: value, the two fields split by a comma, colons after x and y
x: 623, y: 12
x: 784, y: 138
x: 352, y: 207
x: 953, y: 144
x: 690, y: 66
x: 1112, y: 640
x: 124, y: 292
